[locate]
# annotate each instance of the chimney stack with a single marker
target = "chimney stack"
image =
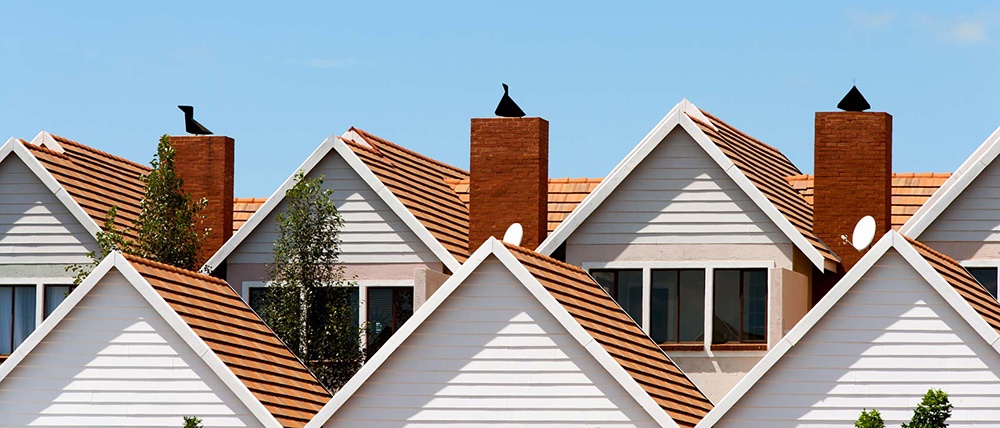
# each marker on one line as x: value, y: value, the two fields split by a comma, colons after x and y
x: 205, y: 163
x: 853, y: 175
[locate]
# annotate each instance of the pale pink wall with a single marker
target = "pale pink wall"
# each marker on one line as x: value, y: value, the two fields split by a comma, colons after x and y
x: 237, y: 273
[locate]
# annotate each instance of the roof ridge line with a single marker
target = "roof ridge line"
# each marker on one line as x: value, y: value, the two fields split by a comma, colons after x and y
x: 740, y: 132
x: 101, y: 152
x: 174, y: 269
x: 425, y: 157
x: 544, y: 258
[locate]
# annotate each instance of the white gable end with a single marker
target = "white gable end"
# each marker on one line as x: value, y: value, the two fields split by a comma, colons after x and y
x: 372, y: 232
x: 974, y: 216
x: 113, y: 361
x: 882, y: 346
x: 491, y: 354
x: 677, y: 194
x: 35, y: 226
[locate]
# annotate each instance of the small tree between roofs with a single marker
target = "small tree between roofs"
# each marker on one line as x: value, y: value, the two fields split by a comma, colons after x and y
x: 307, y: 302
x: 869, y: 419
x: 933, y: 411
x: 192, y: 422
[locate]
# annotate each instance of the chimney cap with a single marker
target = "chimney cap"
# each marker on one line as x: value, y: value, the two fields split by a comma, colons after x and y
x: 507, y: 107
x: 854, y: 101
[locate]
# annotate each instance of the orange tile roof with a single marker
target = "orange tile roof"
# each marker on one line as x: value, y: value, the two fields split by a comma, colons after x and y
x: 96, y: 180
x: 766, y: 167
x: 241, y: 340
x: 565, y: 194
x: 909, y: 191
x: 243, y: 208
x: 607, y: 323
x: 419, y: 183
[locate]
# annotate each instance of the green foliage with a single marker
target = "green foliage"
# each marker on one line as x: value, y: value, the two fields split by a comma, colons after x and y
x: 192, y: 422
x: 933, y: 411
x: 307, y: 304
x: 109, y: 239
x: 169, y: 224
x: 869, y: 419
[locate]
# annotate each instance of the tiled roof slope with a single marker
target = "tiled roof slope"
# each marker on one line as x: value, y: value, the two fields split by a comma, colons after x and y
x: 909, y: 191
x: 96, y: 180
x: 241, y: 340
x: 419, y: 183
x: 960, y: 279
x: 766, y: 167
x: 564, y: 195
x: 607, y: 323
x: 243, y: 208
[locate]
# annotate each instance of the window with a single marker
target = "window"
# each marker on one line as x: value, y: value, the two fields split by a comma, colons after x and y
x: 388, y: 309
x: 54, y: 295
x: 677, y: 306
x: 17, y: 315
x: 740, y: 306
x: 987, y: 276
x: 255, y: 294
x: 625, y: 286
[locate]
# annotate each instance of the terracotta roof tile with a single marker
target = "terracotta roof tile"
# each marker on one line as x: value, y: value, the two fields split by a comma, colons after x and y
x: 419, y: 183
x: 243, y: 208
x: 909, y: 191
x: 975, y: 294
x: 766, y: 167
x: 241, y: 340
x: 565, y: 194
x: 603, y: 319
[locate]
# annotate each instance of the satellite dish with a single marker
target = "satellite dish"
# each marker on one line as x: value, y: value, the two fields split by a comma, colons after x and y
x: 514, y: 233
x: 864, y: 232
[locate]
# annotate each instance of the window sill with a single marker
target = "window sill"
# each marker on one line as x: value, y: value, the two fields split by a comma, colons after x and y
x: 739, y: 347
x: 682, y: 346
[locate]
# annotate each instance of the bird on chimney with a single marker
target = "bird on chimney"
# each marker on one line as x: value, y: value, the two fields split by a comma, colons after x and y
x: 507, y: 106
x: 190, y: 125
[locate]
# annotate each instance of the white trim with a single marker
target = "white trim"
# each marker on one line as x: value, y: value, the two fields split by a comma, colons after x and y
x: 495, y: 248
x: 335, y: 144
x: 750, y: 264
x: 677, y: 117
x: 44, y: 139
x: 710, y: 307
x: 891, y: 240
x: 980, y: 159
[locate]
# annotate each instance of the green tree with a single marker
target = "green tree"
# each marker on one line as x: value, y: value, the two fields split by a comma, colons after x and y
x: 869, y: 419
x: 192, y: 422
x: 110, y: 238
x: 933, y: 411
x: 308, y: 303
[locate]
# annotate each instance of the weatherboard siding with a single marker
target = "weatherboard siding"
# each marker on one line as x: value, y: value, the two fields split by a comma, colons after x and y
x: 113, y: 361
x: 677, y: 195
x: 974, y: 216
x: 888, y: 340
x: 35, y: 227
x: 372, y: 232
x: 491, y: 355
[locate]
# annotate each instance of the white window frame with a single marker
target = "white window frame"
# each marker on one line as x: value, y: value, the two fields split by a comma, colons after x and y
x: 39, y: 283
x: 984, y: 264
x: 709, y: 267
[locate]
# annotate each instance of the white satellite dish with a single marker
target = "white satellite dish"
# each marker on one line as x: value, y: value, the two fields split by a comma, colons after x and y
x: 513, y: 234
x: 864, y: 233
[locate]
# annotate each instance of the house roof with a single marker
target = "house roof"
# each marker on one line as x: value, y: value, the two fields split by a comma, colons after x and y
x: 243, y: 208
x: 909, y: 191
x: 565, y: 194
x: 945, y: 275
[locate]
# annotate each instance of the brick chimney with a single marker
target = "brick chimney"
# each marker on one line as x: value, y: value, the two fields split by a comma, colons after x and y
x: 509, y: 181
x: 205, y: 163
x: 853, y: 177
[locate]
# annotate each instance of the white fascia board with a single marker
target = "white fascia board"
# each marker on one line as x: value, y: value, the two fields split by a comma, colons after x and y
x: 612, y: 181
x: 272, y: 202
x: 44, y: 139
x: 396, y: 340
x: 56, y: 317
x: 195, y: 342
x: 577, y: 331
x: 980, y: 159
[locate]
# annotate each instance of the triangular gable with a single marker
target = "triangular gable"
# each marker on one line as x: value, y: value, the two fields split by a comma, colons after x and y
x: 116, y: 261
x: 335, y: 145
x: 948, y: 280
x: 959, y: 181
x: 681, y: 116
x: 495, y: 248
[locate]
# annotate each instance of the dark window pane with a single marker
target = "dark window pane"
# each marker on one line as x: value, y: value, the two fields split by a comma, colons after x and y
x: 663, y: 302
x: 754, y: 306
x: 692, y: 306
x: 607, y: 280
x: 726, y: 319
x: 17, y: 316
x: 6, y: 320
x: 987, y: 277
x: 54, y: 295
x: 257, y: 296
x: 630, y: 293
x: 388, y: 309
x: 678, y: 305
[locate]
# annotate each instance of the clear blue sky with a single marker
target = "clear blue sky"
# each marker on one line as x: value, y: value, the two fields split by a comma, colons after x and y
x: 280, y: 77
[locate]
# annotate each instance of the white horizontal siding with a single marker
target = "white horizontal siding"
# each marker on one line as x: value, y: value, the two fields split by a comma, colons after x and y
x: 882, y: 346
x: 490, y: 356
x: 372, y: 232
x: 677, y: 195
x: 35, y: 227
x: 974, y: 216
x: 113, y: 361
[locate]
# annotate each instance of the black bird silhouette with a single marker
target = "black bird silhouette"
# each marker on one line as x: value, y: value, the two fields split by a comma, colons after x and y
x: 854, y: 101
x: 190, y: 125
x: 507, y: 106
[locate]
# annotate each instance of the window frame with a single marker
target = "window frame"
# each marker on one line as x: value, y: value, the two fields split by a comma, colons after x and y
x: 981, y: 264
x: 40, y: 284
x: 677, y: 309
x: 742, y: 306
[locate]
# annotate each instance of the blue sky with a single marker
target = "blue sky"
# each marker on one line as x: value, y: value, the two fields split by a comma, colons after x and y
x: 281, y: 78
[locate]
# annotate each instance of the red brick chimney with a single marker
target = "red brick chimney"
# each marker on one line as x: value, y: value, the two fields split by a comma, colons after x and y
x: 509, y: 181
x: 205, y: 163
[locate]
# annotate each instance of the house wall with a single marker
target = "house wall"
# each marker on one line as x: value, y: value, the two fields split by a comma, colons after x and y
x: 491, y: 355
x: 882, y: 346
x: 969, y: 228
x: 113, y: 361
x: 238, y: 274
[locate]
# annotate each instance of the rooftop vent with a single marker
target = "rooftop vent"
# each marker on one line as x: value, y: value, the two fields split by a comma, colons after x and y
x: 507, y: 106
x: 854, y: 101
